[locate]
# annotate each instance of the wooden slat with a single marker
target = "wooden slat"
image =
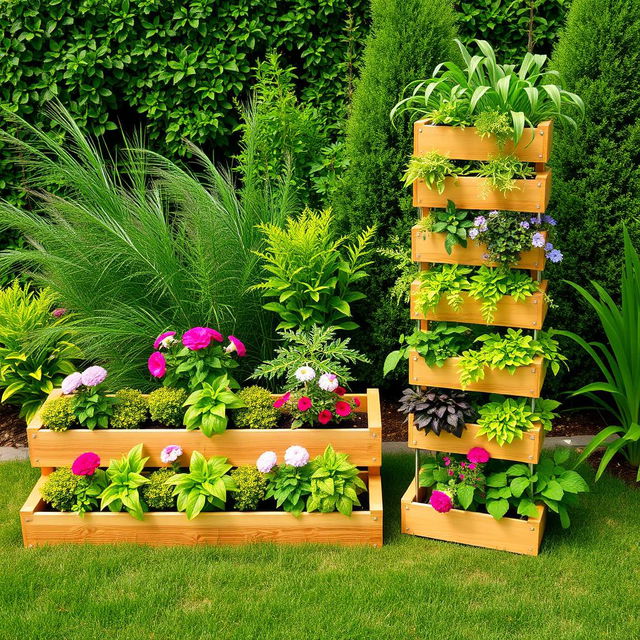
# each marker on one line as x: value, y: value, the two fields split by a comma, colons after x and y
x: 41, y: 527
x: 465, y: 144
x: 525, y: 381
x: 525, y: 450
x: 467, y: 527
x: 527, y: 314
x: 429, y: 247
x: 469, y: 192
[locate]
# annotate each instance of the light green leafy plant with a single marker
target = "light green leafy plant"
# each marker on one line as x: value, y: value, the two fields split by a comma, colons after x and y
x: 205, y: 486
x: 290, y: 486
x: 433, y: 168
x: 166, y: 406
x: 312, y: 272
x: 131, y: 409
x: 207, y: 407
x: 399, y: 252
x: 125, y: 479
x: 251, y: 487
x: 58, y: 415
x: 448, y: 280
x: 494, y: 123
x: 92, y: 407
x: 258, y: 411
x: 501, y: 172
x: 335, y: 484
x: 453, y: 223
x: 157, y: 493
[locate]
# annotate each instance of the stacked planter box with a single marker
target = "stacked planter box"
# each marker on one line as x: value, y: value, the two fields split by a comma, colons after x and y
x: 418, y: 517
x: 49, y: 449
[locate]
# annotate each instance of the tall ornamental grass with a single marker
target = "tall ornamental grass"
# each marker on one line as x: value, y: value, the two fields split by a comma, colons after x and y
x: 142, y: 245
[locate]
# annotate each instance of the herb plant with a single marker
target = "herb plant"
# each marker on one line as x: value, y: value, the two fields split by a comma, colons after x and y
x: 494, y: 123
x: 453, y: 223
x: 125, y: 479
x: 448, y: 280
x: 437, y: 410
x: 335, y: 484
x: 207, y: 407
x: 204, y: 487
x: 501, y: 172
x: 290, y: 486
x: 433, y: 168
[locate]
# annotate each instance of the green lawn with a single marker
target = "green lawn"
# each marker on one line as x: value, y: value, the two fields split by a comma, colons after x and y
x: 585, y: 583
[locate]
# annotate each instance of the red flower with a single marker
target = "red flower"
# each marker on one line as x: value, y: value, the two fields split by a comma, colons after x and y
x: 324, y: 417
x: 157, y: 364
x: 282, y: 400
x: 356, y: 401
x: 343, y: 408
x: 304, y: 403
x: 85, y: 464
x: 340, y: 391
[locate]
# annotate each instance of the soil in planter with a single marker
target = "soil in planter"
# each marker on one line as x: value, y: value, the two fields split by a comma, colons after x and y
x: 13, y: 429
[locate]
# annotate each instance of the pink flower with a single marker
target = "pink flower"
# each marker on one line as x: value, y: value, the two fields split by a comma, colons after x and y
x: 340, y: 391
x: 357, y: 402
x: 463, y: 464
x: 472, y: 465
x: 157, y: 364
x: 461, y: 476
x: 304, y: 403
x: 478, y: 454
x: 85, y: 464
x: 200, y: 338
x: 450, y: 472
x: 282, y: 400
x: 93, y: 376
x: 343, y: 408
x: 163, y: 340
x: 171, y: 453
x: 324, y: 417
x: 71, y: 382
x: 237, y: 346
x: 296, y: 456
x: 267, y: 461
x: 59, y: 312
x: 441, y: 501
x: 447, y: 461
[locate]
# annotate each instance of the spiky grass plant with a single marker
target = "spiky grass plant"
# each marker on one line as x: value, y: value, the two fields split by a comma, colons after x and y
x: 143, y: 246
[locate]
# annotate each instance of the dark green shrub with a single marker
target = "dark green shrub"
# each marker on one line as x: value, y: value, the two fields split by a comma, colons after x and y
x: 409, y: 38
x: 251, y: 486
x: 596, y: 180
x: 259, y: 412
x: 157, y: 493
x: 166, y: 406
x: 58, y: 414
x: 60, y: 489
x: 130, y: 411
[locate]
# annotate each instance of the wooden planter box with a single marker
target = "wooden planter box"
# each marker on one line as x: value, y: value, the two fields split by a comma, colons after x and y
x: 241, y: 446
x: 527, y: 314
x: 465, y: 144
x: 429, y: 247
x: 526, y: 450
x: 469, y: 192
x: 525, y: 381
x: 468, y: 527
x: 40, y: 527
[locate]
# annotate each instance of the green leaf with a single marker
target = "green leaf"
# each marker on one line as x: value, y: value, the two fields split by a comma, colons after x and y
x: 465, y: 495
x: 498, y: 508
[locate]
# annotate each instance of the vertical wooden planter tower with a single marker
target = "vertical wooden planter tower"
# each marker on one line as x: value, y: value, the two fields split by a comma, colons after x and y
x: 418, y: 517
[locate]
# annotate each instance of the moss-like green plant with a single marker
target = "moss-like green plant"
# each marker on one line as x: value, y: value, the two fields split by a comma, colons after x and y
x: 251, y: 487
x: 60, y: 489
x: 501, y: 173
x: 433, y: 168
x: 166, y: 406
x: 258, y: 412
x: 130, y: 411
x: 58, y: 414
x: 494, y: 123
x: 157, y: 493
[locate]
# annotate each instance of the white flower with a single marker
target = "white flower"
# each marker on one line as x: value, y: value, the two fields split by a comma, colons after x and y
x: 267, y: 461
x: 171, y: 453
x: 296, y: 456
x: 328, y: 382
x: 304, y: 374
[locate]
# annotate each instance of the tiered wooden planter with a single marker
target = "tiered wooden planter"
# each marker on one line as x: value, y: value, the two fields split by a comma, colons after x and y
x: 531, y: 195
x: 49, y: 449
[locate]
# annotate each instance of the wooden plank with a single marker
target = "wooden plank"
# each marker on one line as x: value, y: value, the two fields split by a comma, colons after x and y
x: 429, y: 247
x: 525, y: 381
x: 241, y: 446
x: 527, y: 314
x: 471, y: 528
x: 42, y: 527
x: 469, y: 192
x: 465, y: 144
x: 526, y: 450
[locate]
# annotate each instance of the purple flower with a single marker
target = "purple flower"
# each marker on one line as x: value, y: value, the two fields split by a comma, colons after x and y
x: 59, y: 312
x: 485, y: 256
x: 93, y: 376
x: 548, y: 247
x: 537, y: 239
x: 296, y: 456
x: 267, y: 461
x: 71, y: 382
x: 555, y: 256
x: 524, y: 224
x: 493, y: 214
x: 479, y: 221
x: 549, y: 220
x: 171, y: 453
x: 534, y: 221
x: 473, y: 233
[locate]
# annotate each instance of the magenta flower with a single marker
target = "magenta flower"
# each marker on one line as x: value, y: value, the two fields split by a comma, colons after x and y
x: 59, y: 312
x: 164, y: 339
x: 472, y: 465
x: 200, y: 338
x: 282, y: 400
x: 343, y: 408
x: 324, y: 417
x: 450, y: 472
x: 71, y: 382
x: 171, y: 453
x: 447, y: 461
x: 93, y: 376
x: 304, y: 403
x: 356, y: 401
x: 296, y: 456
x: 157, y: 364
x: 267, y: 461
x: 237, y: 346
x: 85, y: 464
x: 441, y: 501
x: 478, y: 454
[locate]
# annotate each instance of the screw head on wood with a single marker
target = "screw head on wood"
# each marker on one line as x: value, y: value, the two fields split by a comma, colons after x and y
x: 532, y: 528
x: 375, y: 518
